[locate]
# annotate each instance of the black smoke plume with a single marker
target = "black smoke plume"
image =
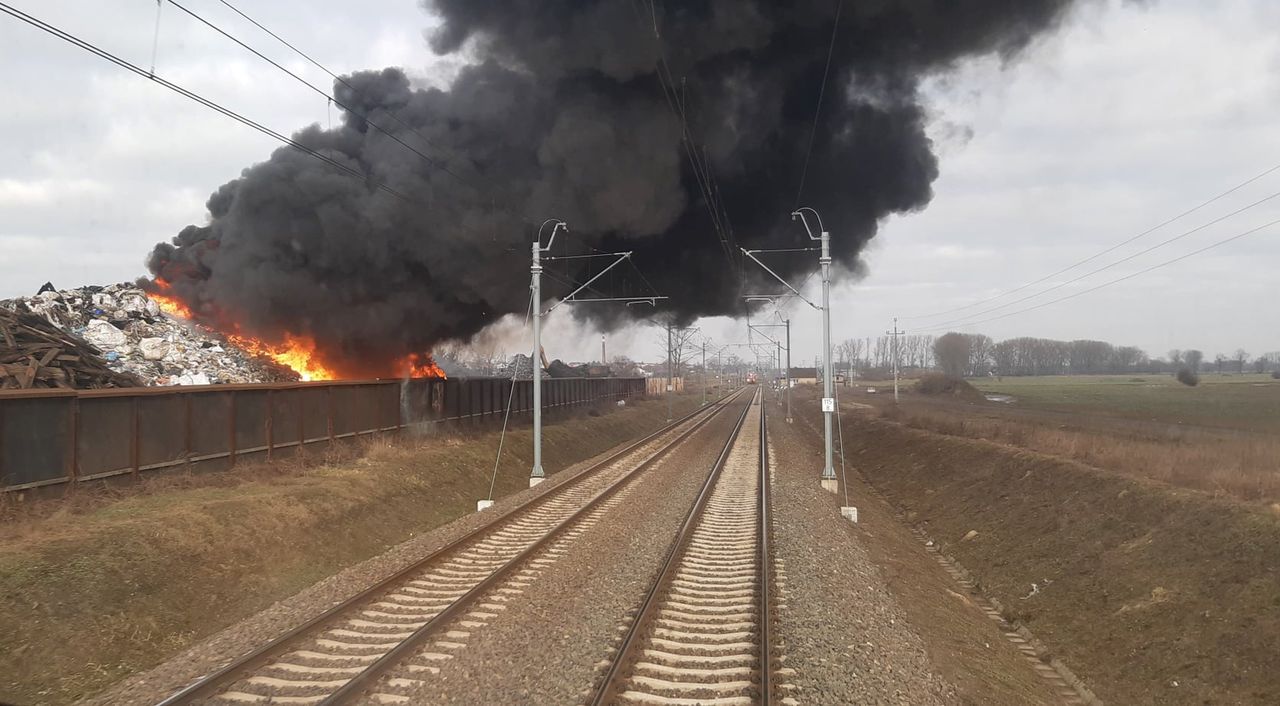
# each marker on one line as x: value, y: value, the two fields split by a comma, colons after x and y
x: 632, y: 120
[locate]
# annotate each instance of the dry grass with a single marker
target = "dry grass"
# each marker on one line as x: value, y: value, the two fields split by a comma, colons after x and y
x: 1240, y: 466
x: 18, y: 511
x: 22, y: 511
x: 110, y: 579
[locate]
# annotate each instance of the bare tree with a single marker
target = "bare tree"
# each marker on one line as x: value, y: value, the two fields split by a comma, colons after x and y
x: 980, y: 348
x: 1241, y: 356
x: 621, y: 365
x: 1127, y: 358
x: 1090, y: 356
x: 848, y: 352
x: 683, y: 347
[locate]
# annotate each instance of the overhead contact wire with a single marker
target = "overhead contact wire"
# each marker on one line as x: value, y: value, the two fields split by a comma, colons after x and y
x: 1121, y: 261
x: 122, y: 63
x: 1082, y: 292
x: 391, y: 114
x: 817, y: 112
x: 1111, y: 249
x: 368, y: 120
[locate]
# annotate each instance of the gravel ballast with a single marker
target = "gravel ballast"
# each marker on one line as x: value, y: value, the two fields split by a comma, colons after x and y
x: 547, y: 647
x: 838, y: 626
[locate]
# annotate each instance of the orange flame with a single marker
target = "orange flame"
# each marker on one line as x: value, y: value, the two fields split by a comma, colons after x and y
x: 421, y: 365
x: 296, y: 352
x: 168, y: 303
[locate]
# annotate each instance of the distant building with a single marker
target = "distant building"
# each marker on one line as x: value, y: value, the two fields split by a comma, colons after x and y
x: 804, y: 376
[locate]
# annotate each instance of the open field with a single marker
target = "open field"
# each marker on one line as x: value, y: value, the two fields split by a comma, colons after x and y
x: 1249, y: 402
x: 100, y: 586
x: 1218, y: 438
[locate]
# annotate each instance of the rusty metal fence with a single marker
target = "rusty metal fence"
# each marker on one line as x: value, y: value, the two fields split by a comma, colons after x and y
x: 49, y: 437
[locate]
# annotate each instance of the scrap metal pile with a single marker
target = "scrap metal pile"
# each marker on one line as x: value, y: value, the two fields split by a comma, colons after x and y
x: 118, y: 337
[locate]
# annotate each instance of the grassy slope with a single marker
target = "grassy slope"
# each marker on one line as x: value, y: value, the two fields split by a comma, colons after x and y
x: 89, y: 597
x: 1228, y: 401
x: 1152, y: 594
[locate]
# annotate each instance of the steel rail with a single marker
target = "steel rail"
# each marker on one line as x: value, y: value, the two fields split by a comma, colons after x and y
x: 766, y: 659
x: 611, y: 681
x: 212, y: 684
x: 362, y: 682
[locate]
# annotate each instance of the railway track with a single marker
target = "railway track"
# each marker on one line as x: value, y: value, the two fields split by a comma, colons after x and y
x: 379, y: 643
x: 702, y: 633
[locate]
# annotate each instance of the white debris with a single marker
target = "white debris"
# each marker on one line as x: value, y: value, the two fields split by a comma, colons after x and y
x: 104, y: 334
x: 153, y: 348
x: 135, y: 336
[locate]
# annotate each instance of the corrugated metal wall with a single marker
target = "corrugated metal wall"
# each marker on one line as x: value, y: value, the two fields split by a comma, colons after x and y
x: 57, y: 436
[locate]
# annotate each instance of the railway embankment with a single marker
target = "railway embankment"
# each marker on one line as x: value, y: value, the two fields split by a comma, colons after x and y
x: 1151, y: 593
x: 99, y: 589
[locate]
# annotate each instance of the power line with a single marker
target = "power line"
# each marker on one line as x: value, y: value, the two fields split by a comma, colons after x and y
x: 634, y: 266
x: 336, y: 77
x: 1113, y: 248
x: 108, y: 56
x: 1117, y: 262
x: 817, y: 111
x: 350, y: 109
x: 666, y: 81
x: 1073, y: 295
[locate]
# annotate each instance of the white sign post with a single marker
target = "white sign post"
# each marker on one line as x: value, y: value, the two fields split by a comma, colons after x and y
x: 828, y: 404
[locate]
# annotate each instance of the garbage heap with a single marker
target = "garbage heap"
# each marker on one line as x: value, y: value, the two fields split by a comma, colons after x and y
x: 520, y: 365
x: 135, y: 338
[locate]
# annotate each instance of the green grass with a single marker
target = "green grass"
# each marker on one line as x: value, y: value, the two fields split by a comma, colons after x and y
x: 1228, y: 401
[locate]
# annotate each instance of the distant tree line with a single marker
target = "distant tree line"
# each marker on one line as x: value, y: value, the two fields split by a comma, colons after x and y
x: 872, y: 357
x: 969, y: 355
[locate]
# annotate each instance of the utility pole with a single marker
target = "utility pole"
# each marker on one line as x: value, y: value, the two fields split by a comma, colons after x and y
x: 537, y: 475
x: 670, y: 377
x: 829, y: 481
x: 603, y: 360
x: 778, y: 363
x: 788, y: 323
x: 893, y: 350
x: 704, y: 371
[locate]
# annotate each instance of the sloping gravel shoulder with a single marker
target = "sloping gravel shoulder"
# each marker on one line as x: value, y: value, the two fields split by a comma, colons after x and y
x: 965, y: 645
x: 208, y: 655
x: 837, y: 624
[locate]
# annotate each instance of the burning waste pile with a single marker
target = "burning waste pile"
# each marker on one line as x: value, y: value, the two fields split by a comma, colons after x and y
x: 137, y: 342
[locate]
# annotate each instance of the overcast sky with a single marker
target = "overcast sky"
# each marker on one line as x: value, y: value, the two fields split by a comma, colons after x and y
x: 1131, y: 115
